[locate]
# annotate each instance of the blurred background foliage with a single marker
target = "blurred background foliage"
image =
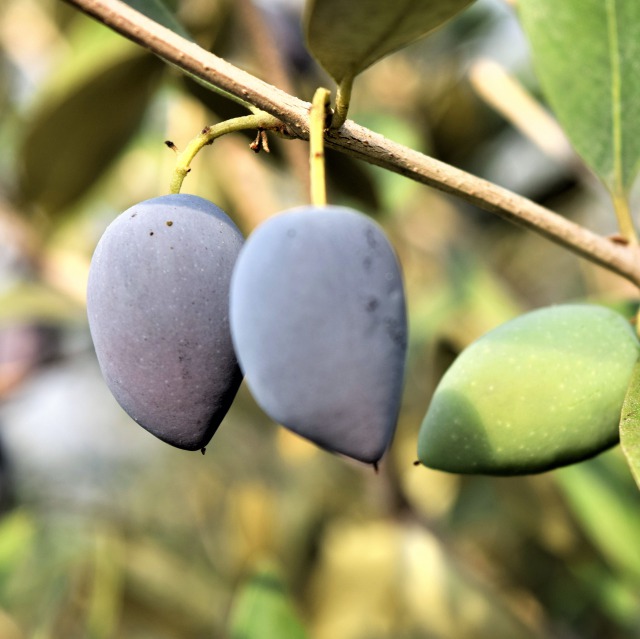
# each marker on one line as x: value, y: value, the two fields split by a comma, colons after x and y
x: 106, y: 532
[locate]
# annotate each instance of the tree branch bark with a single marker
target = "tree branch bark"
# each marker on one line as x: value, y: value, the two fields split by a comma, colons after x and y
x: 362, y: 143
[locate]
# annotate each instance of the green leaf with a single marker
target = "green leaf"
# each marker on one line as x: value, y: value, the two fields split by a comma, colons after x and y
x: 32, y: 302
x: 18, y: 540
x: 79, y: 129
x: 157, y: 11
x: 630, y: 425
x: 586, y: 56
x: 608, y: 507
x: 17, y: 533
x: 347, y: 37
x: 263, y: 609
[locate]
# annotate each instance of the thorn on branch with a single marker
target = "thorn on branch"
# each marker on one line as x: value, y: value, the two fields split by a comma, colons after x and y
x: 261, y: 142
x: 171, y: 145
x: 619, y: 239
x: 205, y: 132
x: 256, y: 144
x: 265, y: 141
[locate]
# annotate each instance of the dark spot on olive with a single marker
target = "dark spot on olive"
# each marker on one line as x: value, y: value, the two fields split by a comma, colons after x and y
x: 395, y: 331
x: 169, y: 223
x: 371, y: 238
x: 150, y: 232
x: 372, y: 304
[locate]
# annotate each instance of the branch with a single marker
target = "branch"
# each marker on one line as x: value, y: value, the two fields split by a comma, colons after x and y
x: 360, y: 142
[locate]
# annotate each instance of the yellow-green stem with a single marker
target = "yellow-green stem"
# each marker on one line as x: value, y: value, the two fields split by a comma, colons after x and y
x: 317, y: 122
x: 209, y: 134
x: 343, y: 99
x: 625, y: 220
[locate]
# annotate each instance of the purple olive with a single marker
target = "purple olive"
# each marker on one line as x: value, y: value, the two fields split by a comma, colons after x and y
x: 157, y: 303
x: 318, y: 321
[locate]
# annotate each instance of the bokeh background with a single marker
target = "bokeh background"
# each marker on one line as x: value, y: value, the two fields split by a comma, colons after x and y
x: 107, y: 532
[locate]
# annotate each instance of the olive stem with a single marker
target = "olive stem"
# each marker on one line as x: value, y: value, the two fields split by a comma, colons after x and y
x: 623, y: 214
x: 317, y: 126
x: 262, y: 121
x: 343, y: 99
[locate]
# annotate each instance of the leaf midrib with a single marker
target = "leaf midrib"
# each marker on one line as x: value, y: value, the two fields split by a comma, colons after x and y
x: 616, y: 94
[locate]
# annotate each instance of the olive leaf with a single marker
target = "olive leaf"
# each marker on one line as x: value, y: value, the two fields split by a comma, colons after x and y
x: 347, y: 37
x: 70, y: 144
x: 630, y: 425
x: 84, y: 116
x: 586, y: 58
x: 605, y: 504
x: 157, y: 11
x: 33, y: 302
x: 263, y: 609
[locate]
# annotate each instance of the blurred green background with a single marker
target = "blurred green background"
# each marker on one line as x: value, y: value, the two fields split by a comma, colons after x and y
x: 107, y: 532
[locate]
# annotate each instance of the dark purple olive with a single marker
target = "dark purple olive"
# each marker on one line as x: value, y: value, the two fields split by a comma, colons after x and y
x: 318, y: 321
x: 157, y: 303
